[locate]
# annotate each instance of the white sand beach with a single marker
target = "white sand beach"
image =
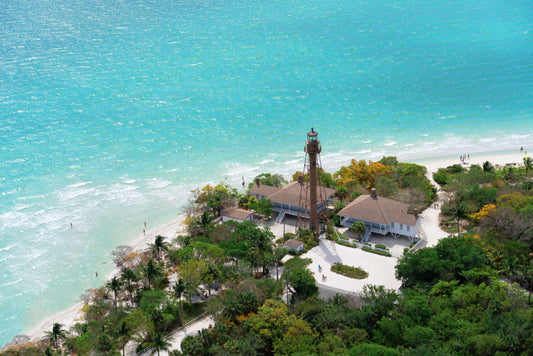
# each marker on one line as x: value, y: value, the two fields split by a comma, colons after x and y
x: 381, y: 269
x: 74, y: 314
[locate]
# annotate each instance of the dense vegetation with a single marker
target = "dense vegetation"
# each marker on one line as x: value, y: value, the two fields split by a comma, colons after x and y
x: 496, y: 206
x: 455, y: 297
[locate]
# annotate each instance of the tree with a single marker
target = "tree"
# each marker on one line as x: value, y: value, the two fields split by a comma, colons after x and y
x: 359, y: 228
x: 204, y: 225
x: 114, y: 284
x: 56, y: 334
x: 179, y: 288
x: 303, y: 283
x: 386, y: 187
x: 341, y: 192
x: 215, y: 198
x: 260, y: 247
x: 236, y: 305
x: 129, y: 277
x: 528, y: 163
x: 451, y: 259
x: 389, y: 161
x: 105, y: 344
x: 274, y: 180
x: 262, y: 206
x: 460, y: 212
x: 488, y: 167
x: 159, y: 343
x: 153, y: 272
x: 124, y: 334
x: 362, y: 173
x: 192, y: 271
x: 158, y: 246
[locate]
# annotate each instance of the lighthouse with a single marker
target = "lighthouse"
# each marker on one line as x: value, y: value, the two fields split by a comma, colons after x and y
x: 311, y: 195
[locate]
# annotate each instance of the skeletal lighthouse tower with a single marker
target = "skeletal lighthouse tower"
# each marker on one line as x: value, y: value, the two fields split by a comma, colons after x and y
x: 309, y: 193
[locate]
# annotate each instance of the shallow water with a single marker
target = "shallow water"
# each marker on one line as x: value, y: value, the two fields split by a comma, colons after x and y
x: 112, y: 111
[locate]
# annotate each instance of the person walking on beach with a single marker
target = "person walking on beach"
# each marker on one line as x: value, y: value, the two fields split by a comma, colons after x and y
x: 144, y: 232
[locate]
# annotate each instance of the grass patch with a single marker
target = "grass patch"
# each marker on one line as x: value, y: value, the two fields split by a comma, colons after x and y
x: 348, y: 271
x: 376, y: 252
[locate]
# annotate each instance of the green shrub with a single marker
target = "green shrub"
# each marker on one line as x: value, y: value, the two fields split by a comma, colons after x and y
x: 335, y: 237
x: 456, y: 168
x: 441, y: 177
x: 376, y: 252
x: 352, y: 272
x: 383, y: 247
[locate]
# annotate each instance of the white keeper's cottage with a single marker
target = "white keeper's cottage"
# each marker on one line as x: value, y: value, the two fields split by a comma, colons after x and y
x: 381, y: 216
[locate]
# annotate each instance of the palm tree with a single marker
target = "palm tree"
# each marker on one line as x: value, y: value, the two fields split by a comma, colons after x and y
x: 56, y: 334
x: 153, y: 272
x: 341, y: 192
x: 159, y: 343
x: 528, y: 163
x: 205, y: 223
x: 114, y: 284
x: 124, y: 333
x: 460, y: 212
x: 105, y: 344
x: 158, y: 246
x: 359, y: 228
x: 179, y: 288
x: 488, y: 167
x: 129, y: 277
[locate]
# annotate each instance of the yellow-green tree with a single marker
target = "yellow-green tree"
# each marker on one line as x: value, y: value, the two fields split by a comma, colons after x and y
x: 362, y: 173
x: 283, y: 333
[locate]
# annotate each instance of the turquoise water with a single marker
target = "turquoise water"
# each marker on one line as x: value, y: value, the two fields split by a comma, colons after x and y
x: 112, y: 111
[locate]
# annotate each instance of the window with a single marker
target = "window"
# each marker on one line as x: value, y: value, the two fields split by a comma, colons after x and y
x: 408, y: 227
x: 401, y: 226
x: 392, y: 225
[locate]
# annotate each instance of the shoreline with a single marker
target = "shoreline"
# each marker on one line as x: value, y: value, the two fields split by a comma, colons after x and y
x: 171, y: 229
x: 71, y: 315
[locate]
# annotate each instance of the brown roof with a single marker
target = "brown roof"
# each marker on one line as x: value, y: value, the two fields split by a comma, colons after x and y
x: 236, y: 213
x: 290, y: 193
x: 263, y: 189
x: 293, y: 243
x: 379, y: 210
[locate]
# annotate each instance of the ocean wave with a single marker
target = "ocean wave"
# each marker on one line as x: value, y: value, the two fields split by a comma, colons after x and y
x: 158, y: 183
x: 266, y: 161
x: 11, y: 283
x: 292, y: 162
x: 392, y: 143
x: 77, y: 185
x: 7, y: 248
x: 70, y: 194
